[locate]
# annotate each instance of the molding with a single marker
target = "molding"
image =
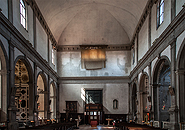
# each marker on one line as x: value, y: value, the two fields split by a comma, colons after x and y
x: 163, y: 41
x: 94, y: 80
x: 125, y: 47
x: 8, y: 31
x: 143, y: 17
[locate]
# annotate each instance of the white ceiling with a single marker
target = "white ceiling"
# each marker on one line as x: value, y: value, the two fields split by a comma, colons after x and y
x: 77, y: 22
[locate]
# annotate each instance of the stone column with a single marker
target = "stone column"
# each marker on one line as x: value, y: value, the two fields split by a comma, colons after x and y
x: 173, y: 110
x: 12, y: 124
x: 10, y: 11
x: 180, y: 74
x: 57, y: 103
x: 130, y: 117
x: 48, y: 98
x: 35, y: 94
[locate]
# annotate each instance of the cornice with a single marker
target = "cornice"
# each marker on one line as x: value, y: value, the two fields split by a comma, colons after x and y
x: 94, y: 80
x: 42, y: 21
x: 126, y: 47
x: 8, y: 30
x: 164, y: 40
x: 143, y: 17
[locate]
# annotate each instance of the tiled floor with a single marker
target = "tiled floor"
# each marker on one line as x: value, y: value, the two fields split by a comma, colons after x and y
x: 99, y: 127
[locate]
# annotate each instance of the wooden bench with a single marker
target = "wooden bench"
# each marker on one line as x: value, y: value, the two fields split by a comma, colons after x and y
x: 133, y: 126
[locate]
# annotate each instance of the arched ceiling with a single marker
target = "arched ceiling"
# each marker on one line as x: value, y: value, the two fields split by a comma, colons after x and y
x: 79, y: 22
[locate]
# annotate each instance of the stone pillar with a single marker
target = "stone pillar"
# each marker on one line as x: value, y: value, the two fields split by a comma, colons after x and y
x: 173, y: 9
x: 12, y: 124
x: 57, y: 103
x: 10, y: 11
x: 130, y: 117
x: 36, y: 97
x: 173, y: 110
x: 48, y: 99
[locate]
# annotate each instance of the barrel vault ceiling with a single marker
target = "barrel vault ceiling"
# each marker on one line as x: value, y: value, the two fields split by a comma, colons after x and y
x: 86, y: 22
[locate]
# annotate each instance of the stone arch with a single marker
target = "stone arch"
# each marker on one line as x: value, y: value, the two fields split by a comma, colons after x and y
x: 24, y: 97
x: 181, y: 81
x: 143, y: 93
x: 53, y: 100
x: 161, y: 96
x: 42, y: 92
x: 3, y: 83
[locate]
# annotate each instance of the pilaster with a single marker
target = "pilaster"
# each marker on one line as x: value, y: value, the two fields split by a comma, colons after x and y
x: 12, y: 125
x: 48, y: 98
x: 10, y: 11
x: 57, y: 103
x: 173, y: 109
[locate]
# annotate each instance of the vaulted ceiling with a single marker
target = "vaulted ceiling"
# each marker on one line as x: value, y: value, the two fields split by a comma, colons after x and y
x: 79, y: 22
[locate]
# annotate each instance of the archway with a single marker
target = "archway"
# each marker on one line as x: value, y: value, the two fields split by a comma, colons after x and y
x: 42, y: 93
x: 53, y: 101
x: 134, y: 101
x: 3, y: 84
x: 161, y: 83
x: 24, y: 92
x: 181, y: 81
x: 144, y: 91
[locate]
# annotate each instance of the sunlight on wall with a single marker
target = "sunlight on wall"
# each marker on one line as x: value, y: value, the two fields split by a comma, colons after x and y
x: 83, y: 94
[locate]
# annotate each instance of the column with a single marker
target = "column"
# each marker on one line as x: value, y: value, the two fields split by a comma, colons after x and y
x: 48, y: 98
x: 10, y: 11
x: 173, y: 9
x: 57, y: 103
x: 35, y: 94
x: 173, y: 109
x: 12, y: 125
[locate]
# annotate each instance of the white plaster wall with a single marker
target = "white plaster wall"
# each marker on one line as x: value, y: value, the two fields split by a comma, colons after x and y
x: 41, y: 41
x: 17, y: 53
x: 146, y: 69
x: 5, y: 43
x: 153, y: 65
x: 155, y: 33
x: 179, y: 4
x: 30, y: 25
x: 179, y: 42
x: 117, y: 64
x: 143, y: 40
x: 53, y: 66
x: 72, y: 92
x: 167, y: 52
x: 4, y: 7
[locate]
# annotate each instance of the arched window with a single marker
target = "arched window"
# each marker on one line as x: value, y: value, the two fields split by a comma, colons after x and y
x: 160, y: 13
x: 115, y: 104
x: 23, y: 13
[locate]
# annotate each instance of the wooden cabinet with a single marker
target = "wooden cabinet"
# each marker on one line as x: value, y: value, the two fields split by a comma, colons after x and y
x: 94, y: 112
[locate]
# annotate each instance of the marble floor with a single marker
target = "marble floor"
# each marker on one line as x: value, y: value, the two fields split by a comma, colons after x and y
x: 99, y: 127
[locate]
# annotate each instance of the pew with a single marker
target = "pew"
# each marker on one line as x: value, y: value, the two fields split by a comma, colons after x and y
x: 56, y: 126
x: 133, y: 126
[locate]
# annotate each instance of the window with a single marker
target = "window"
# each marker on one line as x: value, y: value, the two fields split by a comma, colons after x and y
x: 115, y: 104
x: 160, y: 13
x: 23, y: 13
x: 53, y: 55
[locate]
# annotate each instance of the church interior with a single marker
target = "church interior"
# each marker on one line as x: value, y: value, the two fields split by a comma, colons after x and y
x: 92, y: 62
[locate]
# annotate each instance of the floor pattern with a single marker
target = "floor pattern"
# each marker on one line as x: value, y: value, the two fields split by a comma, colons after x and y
x: 99, y: 127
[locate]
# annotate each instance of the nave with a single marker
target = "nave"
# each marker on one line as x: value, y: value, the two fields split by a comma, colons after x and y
x: 99, y: 127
